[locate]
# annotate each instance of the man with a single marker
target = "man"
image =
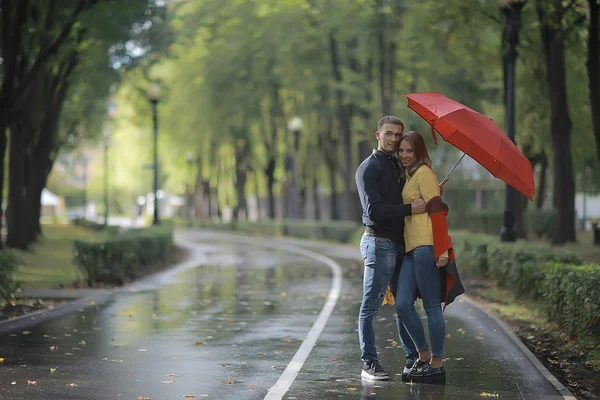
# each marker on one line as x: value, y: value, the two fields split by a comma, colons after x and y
x: 379, y: 181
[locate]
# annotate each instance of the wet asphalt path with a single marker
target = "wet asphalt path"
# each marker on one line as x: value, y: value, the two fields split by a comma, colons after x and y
x: 227, y: 329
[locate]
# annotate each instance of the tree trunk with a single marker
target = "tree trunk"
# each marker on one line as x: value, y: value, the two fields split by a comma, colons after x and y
x: 333, y: 199
x: 3, y: 143
x: 541, y: 194
x: 16, y: 185
x: 382, y: 49
x: 561, y: 127
x: 392, y: 75
x: 593, y: 67
x: 270, y: 174
x: 316, y: 198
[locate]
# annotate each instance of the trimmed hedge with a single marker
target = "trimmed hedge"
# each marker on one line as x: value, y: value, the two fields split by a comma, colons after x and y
x: 539, y: 223
x: 95, y: 226
x: 338, y: 231
x: 9, y: 286
x: 571, y: 294
x: 567, y: 289
x: 122, y: 257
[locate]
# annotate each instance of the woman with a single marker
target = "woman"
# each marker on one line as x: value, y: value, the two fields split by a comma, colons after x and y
x: 428, y: 251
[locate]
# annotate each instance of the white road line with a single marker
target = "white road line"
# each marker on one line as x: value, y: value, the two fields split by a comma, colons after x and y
x: 277, y: 391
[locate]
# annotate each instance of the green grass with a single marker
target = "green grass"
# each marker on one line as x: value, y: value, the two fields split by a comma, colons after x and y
x: 50, y: 261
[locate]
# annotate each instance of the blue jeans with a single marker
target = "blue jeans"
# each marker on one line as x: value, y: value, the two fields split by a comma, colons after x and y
x: 420, y: 275
x: 380, y: 256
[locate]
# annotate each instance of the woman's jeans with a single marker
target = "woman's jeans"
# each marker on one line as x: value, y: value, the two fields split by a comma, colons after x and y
x: 380, y: 256
x: 420, y: 275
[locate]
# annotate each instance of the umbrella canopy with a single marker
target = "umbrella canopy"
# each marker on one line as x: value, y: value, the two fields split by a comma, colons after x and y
x: 476, y: 135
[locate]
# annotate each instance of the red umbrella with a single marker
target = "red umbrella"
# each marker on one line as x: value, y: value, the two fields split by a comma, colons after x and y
x: 476, y: 135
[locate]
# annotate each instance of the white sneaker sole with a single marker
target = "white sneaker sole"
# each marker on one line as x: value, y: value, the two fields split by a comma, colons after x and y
x: 366, y: 375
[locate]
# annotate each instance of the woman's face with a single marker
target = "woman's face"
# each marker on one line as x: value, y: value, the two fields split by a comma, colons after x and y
x: 407, y: 154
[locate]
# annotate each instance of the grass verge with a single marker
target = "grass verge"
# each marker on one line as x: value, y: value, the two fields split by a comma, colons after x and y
x: 49, y: 262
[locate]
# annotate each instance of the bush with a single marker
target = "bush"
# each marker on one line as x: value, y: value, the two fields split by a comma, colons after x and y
x: 571, y: 296
x: 338, y: 231
x: 122, y: 257
x: 566, y: 288
x: 512, y: 265
x: 9, y: 286
x: 111, y: 229
x: 539, y: 223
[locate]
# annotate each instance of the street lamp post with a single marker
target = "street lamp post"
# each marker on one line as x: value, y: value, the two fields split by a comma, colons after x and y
x: 106, y: 136
x: 189, y: 193
x: 153, y: 98
x: 512, y: 12
x: 294, y: 126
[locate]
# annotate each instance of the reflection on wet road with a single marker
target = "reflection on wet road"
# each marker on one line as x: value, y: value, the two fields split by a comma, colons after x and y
x: 228, y: 328
x: 224, y: 330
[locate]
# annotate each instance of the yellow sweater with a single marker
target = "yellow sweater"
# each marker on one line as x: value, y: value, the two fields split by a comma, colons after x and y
x: 417, y: 228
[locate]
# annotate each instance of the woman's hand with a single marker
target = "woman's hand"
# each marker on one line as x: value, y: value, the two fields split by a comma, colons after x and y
x: 441, y: 262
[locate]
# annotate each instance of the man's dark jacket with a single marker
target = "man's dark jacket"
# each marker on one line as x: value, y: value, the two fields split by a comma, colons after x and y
x: 379, y: 181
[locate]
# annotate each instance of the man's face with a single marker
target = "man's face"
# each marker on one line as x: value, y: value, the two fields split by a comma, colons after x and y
x: 388, y: 137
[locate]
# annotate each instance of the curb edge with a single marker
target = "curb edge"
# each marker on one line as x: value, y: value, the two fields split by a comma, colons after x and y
x: 534, y: 360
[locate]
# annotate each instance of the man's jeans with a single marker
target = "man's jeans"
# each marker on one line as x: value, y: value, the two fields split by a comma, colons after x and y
x: 380, y: 256
x: 420, y: 275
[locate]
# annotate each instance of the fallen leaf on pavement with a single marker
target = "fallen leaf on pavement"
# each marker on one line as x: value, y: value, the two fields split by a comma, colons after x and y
x: 166, y: 382
x: 459, y: 359
x: 485, y: 394
x: 334, y: 359
x: 31, y: 382
x: 189, y: 396
x: 1, y: 360
x: 83, y: 343
x: 143, y: 398
x: 229, y: 381
x: 252, y: 386
x: 199, y: 343
x: 352, y: 389
x: 52, y: 370
x: 25, y: 332
x: 72, y: 384
x: 13, y: 383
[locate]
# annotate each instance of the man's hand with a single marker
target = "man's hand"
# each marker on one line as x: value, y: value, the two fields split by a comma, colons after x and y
x: 441, y: 262
x: 418, y: 206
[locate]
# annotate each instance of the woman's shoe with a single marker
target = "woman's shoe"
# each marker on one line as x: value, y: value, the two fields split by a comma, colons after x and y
x: 427, y: 374
x: 411, y: 365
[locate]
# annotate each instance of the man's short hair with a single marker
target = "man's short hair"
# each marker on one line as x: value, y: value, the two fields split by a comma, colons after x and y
x: 389, y: 120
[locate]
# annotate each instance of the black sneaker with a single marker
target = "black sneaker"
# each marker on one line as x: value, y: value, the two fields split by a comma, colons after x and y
x: 427, y: 374
x: 372, y: 370
x: 412, y: 365
x: 408, y: 366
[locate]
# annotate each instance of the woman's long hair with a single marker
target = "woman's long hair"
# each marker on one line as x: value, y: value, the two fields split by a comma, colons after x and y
x: 420, y: 149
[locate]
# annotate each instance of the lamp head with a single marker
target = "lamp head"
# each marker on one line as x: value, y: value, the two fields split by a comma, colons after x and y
x: 295, y: 124
x: 154, y: 92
